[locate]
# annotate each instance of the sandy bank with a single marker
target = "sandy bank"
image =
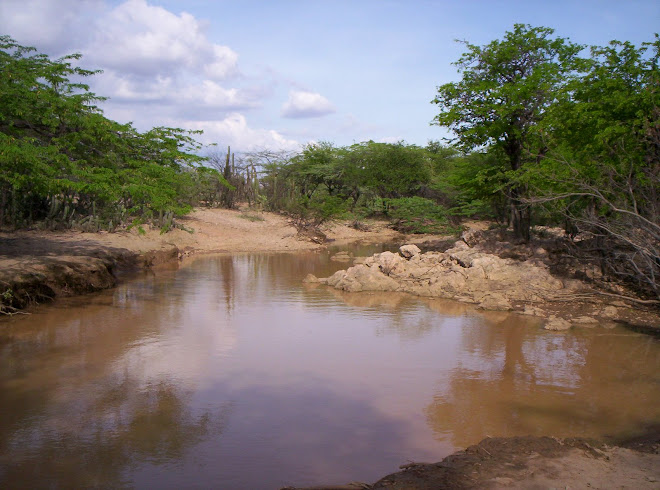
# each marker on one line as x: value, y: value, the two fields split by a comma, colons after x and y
x: 37, y: 266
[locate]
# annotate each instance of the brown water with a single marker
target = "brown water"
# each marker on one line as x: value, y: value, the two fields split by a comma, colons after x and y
x: 230, y: 373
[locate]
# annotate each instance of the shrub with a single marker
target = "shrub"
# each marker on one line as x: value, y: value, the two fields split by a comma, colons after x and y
x: 416, y: 215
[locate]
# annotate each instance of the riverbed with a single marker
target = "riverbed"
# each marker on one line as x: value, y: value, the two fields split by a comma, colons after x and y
x: 227, y: 371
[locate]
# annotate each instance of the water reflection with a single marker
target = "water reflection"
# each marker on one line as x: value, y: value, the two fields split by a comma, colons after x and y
x: 124, y: 426
x: 516, y: 380
x: 231, y: 370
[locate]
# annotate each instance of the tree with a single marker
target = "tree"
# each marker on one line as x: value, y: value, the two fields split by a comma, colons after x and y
x: 602, y: 171
x: 63, y: 161
x: 391, y: 170
x: 507, y: 87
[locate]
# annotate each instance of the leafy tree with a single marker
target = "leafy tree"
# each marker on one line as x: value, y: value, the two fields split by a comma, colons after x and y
x: 392, y: 170
x: 506, y: 89
x: 603, y: 168
x: 417, y: 215
x: 63, y: 161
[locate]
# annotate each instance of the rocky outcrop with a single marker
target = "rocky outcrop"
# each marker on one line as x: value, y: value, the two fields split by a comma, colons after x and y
x: 460, y: 273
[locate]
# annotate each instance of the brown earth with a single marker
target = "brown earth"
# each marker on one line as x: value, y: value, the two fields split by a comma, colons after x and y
x: 531, y: 463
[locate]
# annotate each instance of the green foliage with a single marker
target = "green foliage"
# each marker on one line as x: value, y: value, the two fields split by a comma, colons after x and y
x: 416, y: 215
x: 502, y: 99
x: 326, y: 181
x: 64, y: 163
x: 602, y: 171
x: 389, y: 170
x: 506, y: 88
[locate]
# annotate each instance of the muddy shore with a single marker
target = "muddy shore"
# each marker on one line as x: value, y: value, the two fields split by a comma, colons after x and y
x: 530, y: 463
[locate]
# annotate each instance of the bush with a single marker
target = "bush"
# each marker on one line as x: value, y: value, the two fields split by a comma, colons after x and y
x: 417, y: 215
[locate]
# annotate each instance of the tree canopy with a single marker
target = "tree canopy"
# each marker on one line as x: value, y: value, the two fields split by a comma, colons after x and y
x: 506, y: 89
x: 63, y: 161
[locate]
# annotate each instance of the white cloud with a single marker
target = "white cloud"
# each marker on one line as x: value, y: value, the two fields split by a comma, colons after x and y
x: 222, y: 64
x: 53, y: 26
x: 234, y: 131
x: 191, y: 96
x: 213, y: 95
x: 161, y: 69
x: 144, y: 40
x: 302, y: 104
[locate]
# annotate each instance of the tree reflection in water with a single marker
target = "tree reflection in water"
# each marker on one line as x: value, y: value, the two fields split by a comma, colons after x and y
x: 128, y: 426
x: 518, y: 380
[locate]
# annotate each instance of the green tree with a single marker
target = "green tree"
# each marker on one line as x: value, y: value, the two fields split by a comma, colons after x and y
x: 391, y: 170
x: 603, y: 168
x: 506, y: 89
x: 63, y: 161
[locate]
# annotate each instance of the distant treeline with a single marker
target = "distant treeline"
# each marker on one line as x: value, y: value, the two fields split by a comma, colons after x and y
x: 541, y: 135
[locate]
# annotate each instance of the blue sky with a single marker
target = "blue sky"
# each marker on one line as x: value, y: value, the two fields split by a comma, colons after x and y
x: 279, y: 74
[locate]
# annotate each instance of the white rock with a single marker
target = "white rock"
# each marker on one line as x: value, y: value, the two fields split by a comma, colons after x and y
x: 409, y: 251
x: 610, y: 312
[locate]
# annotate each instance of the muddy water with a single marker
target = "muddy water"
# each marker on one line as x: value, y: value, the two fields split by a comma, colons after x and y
x: 230, y: 373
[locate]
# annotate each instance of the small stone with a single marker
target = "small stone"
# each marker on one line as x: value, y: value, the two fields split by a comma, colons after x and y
x: 471, y: 237
x: 311, y: 279
x: 557, y: 324
x: 610, y: 312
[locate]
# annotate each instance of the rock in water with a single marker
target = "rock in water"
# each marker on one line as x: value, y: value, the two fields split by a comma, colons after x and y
x: 557, y: 324
x: 311, y: 278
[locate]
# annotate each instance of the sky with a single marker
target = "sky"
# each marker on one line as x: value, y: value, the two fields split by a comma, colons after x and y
x: 281, y: 74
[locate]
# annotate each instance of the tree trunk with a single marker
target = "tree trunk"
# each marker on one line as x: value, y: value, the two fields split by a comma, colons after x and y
x: 3, y: 204
x: 521, y: 219
x: 520, y: 212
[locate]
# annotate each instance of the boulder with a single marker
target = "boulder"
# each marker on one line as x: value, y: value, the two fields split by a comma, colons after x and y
x: 557, y: 324
x: 311, y: 278
x: 461, y: 272
x: 388, y: 262
x: 495, y: 301
x: 409, y: 251
x: 362, y: 278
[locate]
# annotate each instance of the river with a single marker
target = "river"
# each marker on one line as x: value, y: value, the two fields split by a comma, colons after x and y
x: 229, y: 372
